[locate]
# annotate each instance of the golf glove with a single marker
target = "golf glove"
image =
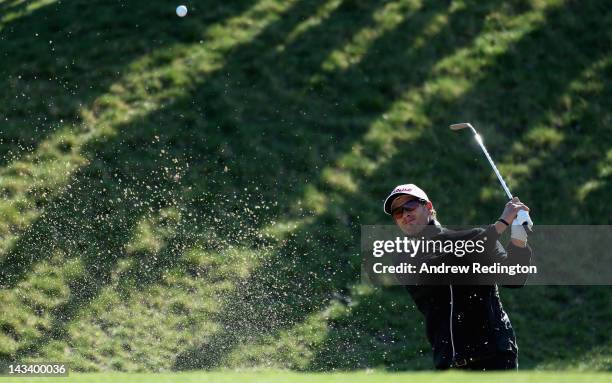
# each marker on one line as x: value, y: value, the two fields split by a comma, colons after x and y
x: 517, y: 230
x: 524, y: 219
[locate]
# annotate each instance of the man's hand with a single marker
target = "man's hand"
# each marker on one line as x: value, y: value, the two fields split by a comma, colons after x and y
x: 512, y: 208
x: 509, y: 215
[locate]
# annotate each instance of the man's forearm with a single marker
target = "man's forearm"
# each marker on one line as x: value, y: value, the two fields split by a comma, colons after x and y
x: 500, y: 227
x: 518, y: 242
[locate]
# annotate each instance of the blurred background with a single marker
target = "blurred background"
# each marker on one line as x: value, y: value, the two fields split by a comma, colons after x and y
x: 182, y: 193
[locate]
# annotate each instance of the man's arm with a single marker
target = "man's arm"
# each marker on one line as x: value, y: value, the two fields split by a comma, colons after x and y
x: 500, y: 227
x: 517, y: 252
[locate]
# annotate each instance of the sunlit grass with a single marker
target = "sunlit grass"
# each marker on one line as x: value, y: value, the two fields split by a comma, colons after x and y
x: 384, y: 19
x: 19, y: 8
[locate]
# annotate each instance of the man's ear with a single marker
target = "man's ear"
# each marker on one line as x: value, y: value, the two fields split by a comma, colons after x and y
x: 429, y: 205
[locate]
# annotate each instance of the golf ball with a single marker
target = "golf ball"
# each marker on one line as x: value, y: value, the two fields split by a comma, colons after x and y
x: 181, y: 11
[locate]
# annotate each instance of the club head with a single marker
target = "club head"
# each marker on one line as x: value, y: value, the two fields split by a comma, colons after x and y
x: 461, y: 125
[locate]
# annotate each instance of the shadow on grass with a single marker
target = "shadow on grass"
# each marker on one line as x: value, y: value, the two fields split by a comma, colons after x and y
x: 96, y: 215
x: 62, y: 56
x: 83, y: 38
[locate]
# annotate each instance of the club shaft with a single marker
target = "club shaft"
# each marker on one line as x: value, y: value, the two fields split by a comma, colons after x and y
x: 497, y: 173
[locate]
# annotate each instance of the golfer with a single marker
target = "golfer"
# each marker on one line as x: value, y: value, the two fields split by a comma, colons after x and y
x: 466, y: 325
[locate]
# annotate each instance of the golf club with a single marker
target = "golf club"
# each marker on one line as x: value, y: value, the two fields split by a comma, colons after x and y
x: 523, y: 215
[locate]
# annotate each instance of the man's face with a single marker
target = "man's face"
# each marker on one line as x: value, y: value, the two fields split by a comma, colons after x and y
x: 410, y: 222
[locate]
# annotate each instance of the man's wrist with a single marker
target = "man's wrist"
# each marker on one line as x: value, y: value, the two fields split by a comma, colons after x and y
x: 500, y: 227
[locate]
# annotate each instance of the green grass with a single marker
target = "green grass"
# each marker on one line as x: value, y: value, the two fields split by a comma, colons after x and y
x: 292, y: 377
x: 187, y: 193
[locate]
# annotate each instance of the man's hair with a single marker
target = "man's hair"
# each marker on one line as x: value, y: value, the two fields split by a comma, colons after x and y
x: 434, y: 213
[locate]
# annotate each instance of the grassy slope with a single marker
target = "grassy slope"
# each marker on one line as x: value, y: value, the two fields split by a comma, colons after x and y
x: 182, y: 193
